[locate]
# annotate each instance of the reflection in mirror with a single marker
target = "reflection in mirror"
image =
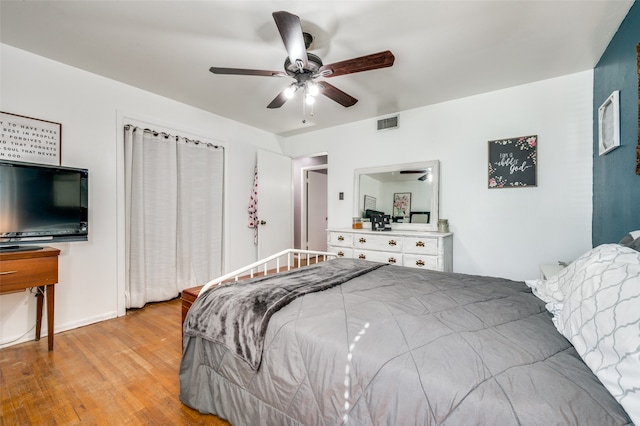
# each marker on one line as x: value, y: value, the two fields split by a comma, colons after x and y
x: 406, y: 192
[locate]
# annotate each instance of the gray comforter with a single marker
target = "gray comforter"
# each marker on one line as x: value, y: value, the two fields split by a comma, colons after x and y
x: 237, y: 315
x: 401, y: 346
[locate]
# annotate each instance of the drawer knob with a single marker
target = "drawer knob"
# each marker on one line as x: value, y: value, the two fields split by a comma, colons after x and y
x: 340, y: 254
x: 362, y: 240
x: 419, y: 262
x: 8, y: 272
x: 392, y: 260
x: 419, y: 244
x: 340, y: 238
x: 362, y: 256
x: 392, y: 242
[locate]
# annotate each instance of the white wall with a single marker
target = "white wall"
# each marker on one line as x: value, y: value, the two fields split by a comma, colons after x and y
x: 501, y: 232
x: 504, y: 232
x: 90, y: 109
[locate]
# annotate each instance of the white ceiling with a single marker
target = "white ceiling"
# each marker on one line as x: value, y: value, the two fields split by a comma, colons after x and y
x: 444, y: 49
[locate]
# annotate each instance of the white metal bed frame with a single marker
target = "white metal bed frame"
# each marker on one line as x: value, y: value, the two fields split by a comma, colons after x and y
x: 293, y: 258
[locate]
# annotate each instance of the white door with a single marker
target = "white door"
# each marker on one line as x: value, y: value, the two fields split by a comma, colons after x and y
x: 317, y: 210
x: 275, y: 203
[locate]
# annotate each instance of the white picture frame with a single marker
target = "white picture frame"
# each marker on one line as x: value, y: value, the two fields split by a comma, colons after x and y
x: 609, y: 124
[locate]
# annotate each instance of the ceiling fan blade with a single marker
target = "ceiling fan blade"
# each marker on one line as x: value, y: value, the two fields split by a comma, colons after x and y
x: 242, y: 71
x: 363, y: 63
x: 291, y: 32
x: 278, y: 101
x: 333, y: 93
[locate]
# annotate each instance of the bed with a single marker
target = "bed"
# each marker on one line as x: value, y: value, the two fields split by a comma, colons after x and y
x: 353, y: 342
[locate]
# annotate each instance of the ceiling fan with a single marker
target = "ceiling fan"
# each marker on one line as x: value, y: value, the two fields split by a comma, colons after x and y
x: 306, y: 67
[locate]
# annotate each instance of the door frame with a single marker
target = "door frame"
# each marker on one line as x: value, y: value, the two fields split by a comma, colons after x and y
x: 303, y: 201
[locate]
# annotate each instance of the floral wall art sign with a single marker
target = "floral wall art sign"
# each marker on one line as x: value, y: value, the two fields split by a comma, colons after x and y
x: 513, y: 162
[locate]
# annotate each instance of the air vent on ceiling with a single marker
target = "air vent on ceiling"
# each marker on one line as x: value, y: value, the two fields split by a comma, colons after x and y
x: 388, y: 123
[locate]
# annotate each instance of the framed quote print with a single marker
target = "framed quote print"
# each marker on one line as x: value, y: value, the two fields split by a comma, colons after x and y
x: 29, y: 139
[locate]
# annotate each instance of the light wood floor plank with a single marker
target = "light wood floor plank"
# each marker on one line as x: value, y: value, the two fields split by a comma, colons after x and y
x: 118, y: 372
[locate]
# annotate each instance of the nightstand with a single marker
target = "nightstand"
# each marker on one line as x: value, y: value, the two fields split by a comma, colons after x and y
x: 548, y: 270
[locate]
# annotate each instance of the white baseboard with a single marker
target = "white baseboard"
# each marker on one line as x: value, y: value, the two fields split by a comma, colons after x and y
x: 58, y: 328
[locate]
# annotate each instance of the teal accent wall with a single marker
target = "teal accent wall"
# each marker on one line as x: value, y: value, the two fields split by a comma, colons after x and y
x: 616, y: 187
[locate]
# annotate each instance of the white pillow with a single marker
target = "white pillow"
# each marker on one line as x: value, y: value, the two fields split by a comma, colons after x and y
x: 553, y: 290
x: 600, y: 315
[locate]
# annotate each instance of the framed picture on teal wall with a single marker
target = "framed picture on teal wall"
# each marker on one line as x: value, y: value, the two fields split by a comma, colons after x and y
x: 609, y: 124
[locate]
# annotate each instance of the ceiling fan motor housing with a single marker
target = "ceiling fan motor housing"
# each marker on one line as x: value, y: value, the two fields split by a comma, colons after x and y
x: 314, y: 63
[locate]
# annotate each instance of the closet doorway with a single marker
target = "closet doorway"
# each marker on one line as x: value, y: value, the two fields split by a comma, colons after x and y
x: 310, y: 202
x: 316, y: 207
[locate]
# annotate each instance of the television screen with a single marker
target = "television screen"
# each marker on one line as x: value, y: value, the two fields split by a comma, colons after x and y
x: 40, y: 203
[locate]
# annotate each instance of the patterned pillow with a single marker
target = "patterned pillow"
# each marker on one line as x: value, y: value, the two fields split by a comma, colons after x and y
x: 554, y: 290
x: 600, y: 315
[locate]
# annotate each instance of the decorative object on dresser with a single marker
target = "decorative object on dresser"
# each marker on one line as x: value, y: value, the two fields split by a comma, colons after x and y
x: 30, y: 139
x: 380, y: 222
x: 513, y: 162
x: 427, y: 250
x: 20, y: 270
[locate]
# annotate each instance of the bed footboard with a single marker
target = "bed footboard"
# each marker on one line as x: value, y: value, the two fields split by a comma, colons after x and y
x: 279, y: 262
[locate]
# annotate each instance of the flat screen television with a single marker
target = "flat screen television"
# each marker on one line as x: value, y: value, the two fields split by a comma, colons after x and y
x: 42, y: 204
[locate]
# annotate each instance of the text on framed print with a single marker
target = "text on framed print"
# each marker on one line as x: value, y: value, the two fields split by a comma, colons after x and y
x: 29, y: 139
x: 513, y: 162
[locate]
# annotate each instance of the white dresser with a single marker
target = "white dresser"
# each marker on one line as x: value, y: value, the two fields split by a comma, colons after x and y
x: 428, y: 250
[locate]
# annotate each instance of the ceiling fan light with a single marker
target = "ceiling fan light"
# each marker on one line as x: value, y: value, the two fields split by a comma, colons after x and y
x: 290, y: 91
x: 309, y: 99
x: 313, y: 89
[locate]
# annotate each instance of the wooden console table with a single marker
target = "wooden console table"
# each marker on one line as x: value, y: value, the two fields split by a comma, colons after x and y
x: 34, y: 268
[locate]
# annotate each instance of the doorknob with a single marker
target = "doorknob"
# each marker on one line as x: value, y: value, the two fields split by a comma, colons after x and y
x: 263, y: 222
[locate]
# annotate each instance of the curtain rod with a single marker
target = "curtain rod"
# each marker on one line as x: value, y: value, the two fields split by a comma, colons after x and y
x: 167, y: 136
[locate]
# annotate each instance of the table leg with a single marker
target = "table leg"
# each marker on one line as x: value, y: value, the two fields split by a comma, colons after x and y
x: 50, y: 303
x: 39, y: 297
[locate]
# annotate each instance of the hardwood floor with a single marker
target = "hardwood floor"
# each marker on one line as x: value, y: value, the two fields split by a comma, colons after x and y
x: 121, y: 371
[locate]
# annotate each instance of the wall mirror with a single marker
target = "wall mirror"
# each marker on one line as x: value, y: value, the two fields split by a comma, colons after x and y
x: 409, y: 193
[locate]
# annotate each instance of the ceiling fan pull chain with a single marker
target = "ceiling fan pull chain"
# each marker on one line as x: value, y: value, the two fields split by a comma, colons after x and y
x: 304, y: 110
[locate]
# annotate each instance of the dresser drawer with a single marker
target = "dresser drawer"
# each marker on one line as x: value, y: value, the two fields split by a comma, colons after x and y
x: 421, y: 245
x: 341, y: 251
x: 420, y: 261
x: 379, y: 256
x: 389, y: 243
x: 342, y: 239
x: 16, y: 275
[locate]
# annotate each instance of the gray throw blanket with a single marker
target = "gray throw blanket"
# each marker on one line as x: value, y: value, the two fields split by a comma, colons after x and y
x: 236, y: 315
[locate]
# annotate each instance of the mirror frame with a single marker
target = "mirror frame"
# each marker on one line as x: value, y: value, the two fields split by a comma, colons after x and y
x: 435, y: 193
